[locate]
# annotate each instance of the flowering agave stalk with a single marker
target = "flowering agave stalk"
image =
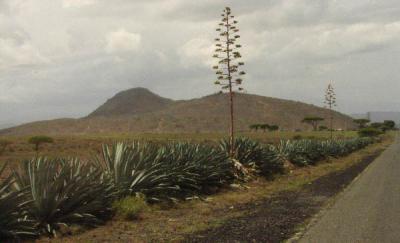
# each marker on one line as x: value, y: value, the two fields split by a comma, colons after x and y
x: 228, y: 62
x: 330, y: 102
x: 13, y: 205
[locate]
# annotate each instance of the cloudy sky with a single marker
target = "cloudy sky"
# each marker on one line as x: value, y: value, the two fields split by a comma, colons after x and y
x: 63, y: 58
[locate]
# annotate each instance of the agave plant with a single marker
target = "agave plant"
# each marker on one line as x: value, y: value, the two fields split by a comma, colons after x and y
x: 63, y: 192
x: 136, y: 169
x: 310, y: 152
x: 196, y: 167
x: 13, y: 205
x: 164, y: 172
x: 266, y: 160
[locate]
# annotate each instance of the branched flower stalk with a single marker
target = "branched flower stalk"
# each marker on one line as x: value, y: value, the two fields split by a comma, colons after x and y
x: 229, y: 75
x: 330, y: 102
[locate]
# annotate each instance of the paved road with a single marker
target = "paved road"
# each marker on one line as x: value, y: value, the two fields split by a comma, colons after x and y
x: 369, y: 210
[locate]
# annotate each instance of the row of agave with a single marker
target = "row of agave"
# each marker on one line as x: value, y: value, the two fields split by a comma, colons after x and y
x: 41, y: 196
x: 310, y: 152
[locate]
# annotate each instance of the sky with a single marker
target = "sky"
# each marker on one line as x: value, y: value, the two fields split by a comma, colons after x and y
x: 64, y: 58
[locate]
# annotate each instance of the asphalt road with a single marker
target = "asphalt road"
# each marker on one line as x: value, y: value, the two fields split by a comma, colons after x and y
x: 369, y: 209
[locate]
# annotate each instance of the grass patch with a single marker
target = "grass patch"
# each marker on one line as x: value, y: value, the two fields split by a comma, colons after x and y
x: 130, y: 208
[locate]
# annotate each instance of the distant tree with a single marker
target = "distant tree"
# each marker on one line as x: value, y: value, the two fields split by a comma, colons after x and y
x: 323, y: 128
x: 38, y: 140
x: 389, y: 124
x: 330, y: 102
x: 377, y: 125
x: 272, y: 128
x: 362, y: 122
x: 3, y: 145
x: 369, y: 132
x: 254, y: 127
x: 313, y: 121
x: 227, y: 69
x: 264, y: 127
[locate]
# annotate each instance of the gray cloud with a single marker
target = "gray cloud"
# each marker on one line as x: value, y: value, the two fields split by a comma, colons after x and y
x: 63, y: 58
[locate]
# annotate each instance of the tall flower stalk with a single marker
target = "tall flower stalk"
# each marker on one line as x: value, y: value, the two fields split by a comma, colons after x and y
x: 228, y: 63
x: 330, y: 102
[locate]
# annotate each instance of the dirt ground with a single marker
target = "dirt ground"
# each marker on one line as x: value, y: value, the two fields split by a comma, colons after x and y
x: 279, y: 217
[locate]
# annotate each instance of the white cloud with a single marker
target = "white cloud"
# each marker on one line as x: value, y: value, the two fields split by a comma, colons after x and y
x: 289, y: 48
x: 122, y: 41
x: 324, y: 41
x: 13, y: 54
x: 197, y: 50
x: 77, y: 3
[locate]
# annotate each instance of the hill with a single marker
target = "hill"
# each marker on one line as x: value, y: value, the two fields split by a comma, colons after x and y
x: 139, y: 110
x: 131, y: 102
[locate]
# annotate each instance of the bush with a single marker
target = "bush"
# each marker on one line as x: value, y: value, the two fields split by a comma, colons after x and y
x: 369, y: 132
x: 3, y: 145
x: 297, y: 137
x: 130, y: 207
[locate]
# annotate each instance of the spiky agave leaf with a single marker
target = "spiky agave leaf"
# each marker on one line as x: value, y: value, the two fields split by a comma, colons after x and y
x: 13, y: 204
x: 196, y: 168
x: 310, y: 152
x: 171, y: 171
x: 252, y: 154
x: 135, y: 169
x: 64, y: 192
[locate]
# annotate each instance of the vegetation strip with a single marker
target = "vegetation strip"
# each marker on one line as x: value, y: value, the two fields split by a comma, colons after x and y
x: 57, y: 194
x: 278, y: 218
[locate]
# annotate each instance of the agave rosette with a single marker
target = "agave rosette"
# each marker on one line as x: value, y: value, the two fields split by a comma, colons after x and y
x: 63, y: 193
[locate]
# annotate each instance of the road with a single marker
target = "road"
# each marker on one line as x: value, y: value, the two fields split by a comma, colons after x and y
x: 369, y: 209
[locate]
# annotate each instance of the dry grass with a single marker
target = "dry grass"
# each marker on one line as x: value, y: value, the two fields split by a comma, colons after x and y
x: 84, y: 146
x: 171, y: 224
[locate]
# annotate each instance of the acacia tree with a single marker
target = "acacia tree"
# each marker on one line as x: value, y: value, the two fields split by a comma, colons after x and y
x: 272, y: 128
x: 264, y: 127
x: 330, y: 102
x: 254, y: 127
x: 38, y: 140
x: 228, y: 63
x: 362, y: 122
x: 313, y: 121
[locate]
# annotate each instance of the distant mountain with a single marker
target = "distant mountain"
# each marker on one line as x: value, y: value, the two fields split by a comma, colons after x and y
x: 359, y: 116
x: 130, y: 102
x: 6, y: 125
x: 380, y: 116
x: 139, y: 110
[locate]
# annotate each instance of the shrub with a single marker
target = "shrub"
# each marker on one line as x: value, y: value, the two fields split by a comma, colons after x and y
x: 323, y: 128
x: 3, y: 145
x: 297, y: 137
x: 369, y: 132
x: 130, y: 207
